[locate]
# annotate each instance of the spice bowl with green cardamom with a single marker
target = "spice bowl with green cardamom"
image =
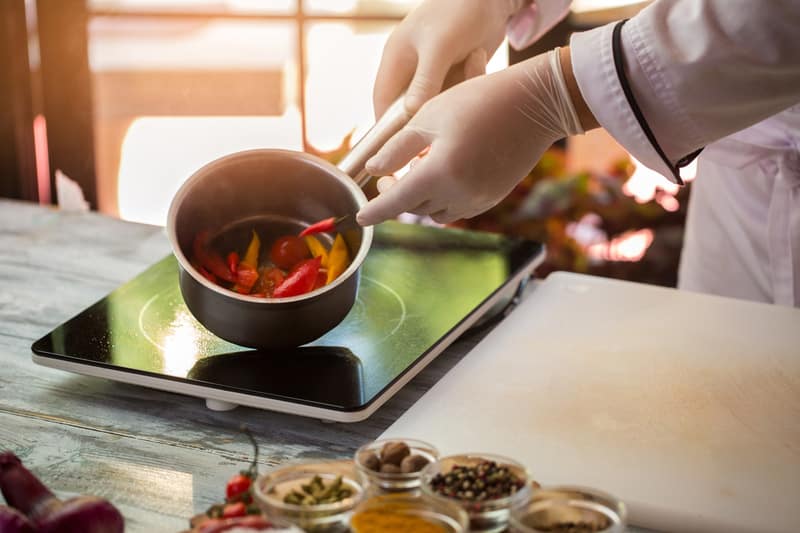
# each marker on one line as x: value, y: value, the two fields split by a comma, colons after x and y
x: 393, y: 465
x: 317, y: 497
x: 486, y: 486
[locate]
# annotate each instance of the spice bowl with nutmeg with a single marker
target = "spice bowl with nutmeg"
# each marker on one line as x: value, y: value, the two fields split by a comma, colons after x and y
x: 486, y: 486
x: 317, y: 497
x: 393, y: 465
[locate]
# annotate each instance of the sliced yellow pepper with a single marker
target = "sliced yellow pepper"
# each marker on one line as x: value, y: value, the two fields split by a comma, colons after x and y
x: 317, y: 249
x: 251, y: 257
x: 338, y: 259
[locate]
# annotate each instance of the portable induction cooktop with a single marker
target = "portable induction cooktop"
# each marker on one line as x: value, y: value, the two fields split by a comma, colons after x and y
x: 421, y: 287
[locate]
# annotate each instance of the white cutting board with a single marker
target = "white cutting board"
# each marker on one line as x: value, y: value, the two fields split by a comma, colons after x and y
x: 685, y: 406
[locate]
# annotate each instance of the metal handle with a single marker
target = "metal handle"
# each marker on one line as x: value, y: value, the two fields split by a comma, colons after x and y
x: 390, y: 123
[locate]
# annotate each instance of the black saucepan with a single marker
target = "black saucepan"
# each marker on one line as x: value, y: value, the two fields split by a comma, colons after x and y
x: 279, y: 192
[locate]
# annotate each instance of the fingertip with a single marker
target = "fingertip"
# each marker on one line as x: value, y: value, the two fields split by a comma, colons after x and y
x: 385, y: 183
x: 374, y: 212
x: 363, y: 220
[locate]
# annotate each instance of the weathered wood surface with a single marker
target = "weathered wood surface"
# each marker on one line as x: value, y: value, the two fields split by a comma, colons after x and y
x: 160, y: 457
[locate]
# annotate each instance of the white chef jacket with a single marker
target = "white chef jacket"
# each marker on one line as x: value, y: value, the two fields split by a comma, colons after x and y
x: 724, y: 74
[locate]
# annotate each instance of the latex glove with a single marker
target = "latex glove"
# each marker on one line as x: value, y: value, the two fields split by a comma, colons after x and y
x: 439, y: 44
x: 485, y: 135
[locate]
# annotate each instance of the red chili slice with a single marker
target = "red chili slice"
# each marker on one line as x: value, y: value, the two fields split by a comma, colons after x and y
x: 209, y: 259
x: 233, y: 262
x: 323, y: 226
x: 300, y: 280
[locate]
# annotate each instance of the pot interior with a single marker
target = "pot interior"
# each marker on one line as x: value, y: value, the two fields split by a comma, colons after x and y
x: 278, y: 192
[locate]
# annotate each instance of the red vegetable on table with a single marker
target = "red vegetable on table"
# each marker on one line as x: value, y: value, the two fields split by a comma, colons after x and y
x: 237, y: 485
x: 12, y: 521
x: 233, y: 510
x: 83, y: 514
x: 218, y: 525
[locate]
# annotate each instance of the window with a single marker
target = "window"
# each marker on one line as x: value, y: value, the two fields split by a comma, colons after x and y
x: 178, y: 83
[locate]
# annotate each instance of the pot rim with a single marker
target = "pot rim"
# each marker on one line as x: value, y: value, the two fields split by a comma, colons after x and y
x: 327, y: 167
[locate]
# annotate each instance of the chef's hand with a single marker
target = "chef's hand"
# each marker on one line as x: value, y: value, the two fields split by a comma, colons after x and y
x: 440, y: 43
x: 484, y: 135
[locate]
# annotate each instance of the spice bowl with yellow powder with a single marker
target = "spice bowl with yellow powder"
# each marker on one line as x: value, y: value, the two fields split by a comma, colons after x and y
x: 407, y: 513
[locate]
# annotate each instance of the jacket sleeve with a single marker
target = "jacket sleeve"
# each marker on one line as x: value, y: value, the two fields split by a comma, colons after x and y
x: 698, y: 69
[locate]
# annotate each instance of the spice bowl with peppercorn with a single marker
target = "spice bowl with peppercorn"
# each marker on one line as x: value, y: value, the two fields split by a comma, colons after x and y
x: 317, y: 497
x: 486, y: 486
x: 569, y: 510
x: 393, y: 465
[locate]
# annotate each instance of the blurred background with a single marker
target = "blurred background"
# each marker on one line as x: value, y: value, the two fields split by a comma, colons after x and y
x: 126, y: 98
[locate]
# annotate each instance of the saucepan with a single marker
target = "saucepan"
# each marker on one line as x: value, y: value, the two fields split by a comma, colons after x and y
x: 278, y: 192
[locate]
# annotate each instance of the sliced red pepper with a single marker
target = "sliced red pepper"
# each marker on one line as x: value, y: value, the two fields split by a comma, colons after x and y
x: 208, y: 275
x: 233, y: 262
x: 323, y: 226
x: 322, y: 279
x: 205, y: 273
x: 300, y: 280
x: 209, y: 259
x: 246, y: 277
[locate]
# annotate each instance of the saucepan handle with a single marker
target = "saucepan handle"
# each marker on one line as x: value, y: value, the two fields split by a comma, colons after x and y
x: 390, y: 123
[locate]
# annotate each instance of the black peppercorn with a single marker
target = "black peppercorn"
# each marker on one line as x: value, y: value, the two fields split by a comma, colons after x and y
x: 485, y: 481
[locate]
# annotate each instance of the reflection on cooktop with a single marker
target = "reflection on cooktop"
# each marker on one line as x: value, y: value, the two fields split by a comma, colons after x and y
x: 318, y: 374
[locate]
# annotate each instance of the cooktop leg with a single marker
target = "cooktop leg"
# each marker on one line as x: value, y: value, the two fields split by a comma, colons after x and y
x: 219, y: 405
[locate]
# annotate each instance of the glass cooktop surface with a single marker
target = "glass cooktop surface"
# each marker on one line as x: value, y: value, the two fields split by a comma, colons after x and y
x: 417, y: 284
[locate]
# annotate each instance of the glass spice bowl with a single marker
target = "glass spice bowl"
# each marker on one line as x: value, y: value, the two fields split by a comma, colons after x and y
x: 487, y: 515
x: 271, y: 487
x: 405, y: 512
x: 569, y: 510
x: 385, y: 482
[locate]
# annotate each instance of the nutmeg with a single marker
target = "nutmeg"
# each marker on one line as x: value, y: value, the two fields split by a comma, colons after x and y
x: 389, y: 468
x: 394, y: 452
x: 413, y: 463
x: 371, y: 461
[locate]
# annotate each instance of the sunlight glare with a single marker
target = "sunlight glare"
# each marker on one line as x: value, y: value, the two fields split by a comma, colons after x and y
x: 160, y: 153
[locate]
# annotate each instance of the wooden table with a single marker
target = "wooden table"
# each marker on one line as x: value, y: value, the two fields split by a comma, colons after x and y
x: 159, y: 457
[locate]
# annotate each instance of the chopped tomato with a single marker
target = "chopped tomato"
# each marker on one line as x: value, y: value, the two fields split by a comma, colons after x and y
x: 268, y: 279
x: 246, y: 277
x: 287, y: 251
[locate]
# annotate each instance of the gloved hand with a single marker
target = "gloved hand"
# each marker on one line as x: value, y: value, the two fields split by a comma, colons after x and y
x: 484, y: 135
x: 439, y: 44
